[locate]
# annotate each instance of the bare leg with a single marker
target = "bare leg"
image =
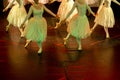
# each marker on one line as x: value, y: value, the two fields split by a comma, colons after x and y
x: 79, y: 44
x: 40, y: 47
x: 106, y: 31
x: 68, y: 35
x: 93, y: 28
x: 65, y: 39
x: 21, y: 31
x: 7, y: 27
x: 57, y: 24
x: 27, y: 42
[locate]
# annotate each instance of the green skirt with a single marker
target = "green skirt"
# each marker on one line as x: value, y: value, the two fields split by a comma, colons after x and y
x: 79, y: 26
x: 36, y: 29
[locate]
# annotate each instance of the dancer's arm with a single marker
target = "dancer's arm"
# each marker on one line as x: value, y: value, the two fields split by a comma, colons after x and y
x: 115, y: 1
x: 28, y: 15
x: 52, y: 1
x: 90, y: 10
x: 31, y: 1
x: 8, y: 6
x: 47, y: 10
x: 100, y: 7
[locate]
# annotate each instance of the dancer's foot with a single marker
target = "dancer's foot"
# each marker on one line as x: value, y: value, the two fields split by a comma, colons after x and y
x: 107, y: 36
x: 91, y: 31
x: 40, y: 51
x: 57, y: 25
x: 79, y: 48
x: 27, y: 42
x: 7, y: 27
x: 65, y: 41
x: 21, y: 31
x: 22, y: 35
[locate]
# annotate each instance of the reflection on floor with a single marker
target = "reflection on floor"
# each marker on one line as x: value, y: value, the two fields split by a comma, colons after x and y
x: 99, y: 60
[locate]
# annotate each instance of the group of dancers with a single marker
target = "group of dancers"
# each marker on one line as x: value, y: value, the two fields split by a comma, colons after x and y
x: 72, y: 12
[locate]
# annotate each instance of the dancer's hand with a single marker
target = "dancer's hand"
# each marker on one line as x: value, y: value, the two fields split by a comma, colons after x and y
x: 94, y: 14
x: 57, y: 17
x: 4, y: 9
x: 51, y: 1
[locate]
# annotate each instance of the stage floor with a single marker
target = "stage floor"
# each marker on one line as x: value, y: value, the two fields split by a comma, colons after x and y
x: 99, y: 60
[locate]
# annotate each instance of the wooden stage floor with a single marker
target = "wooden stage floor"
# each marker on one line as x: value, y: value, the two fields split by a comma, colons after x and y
x: 99, y: 60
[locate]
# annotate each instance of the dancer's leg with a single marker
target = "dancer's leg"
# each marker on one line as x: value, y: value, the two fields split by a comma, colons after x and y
x: 68, y: 35
x: 40, y: 47
x: 21, y: 32
x: 27, y: 42
x: 106, y: 31
x: 57, y: 24
x: 95, y: 25
x: 7, y: 27
x: 79, y: 43
x: 65, y: 39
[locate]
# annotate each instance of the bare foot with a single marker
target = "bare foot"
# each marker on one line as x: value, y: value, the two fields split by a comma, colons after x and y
x: 107, y: 36
x: 65, y: 41
x: 57, y: 25
x: 40, y: 51
x: 7, y: 27
x: 27, y: 42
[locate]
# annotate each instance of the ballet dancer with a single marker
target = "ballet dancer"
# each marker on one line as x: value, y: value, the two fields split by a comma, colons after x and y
x: 79, y: 25
x: 36, y: 29
x: 64, y: 8
x: 16, y: 15
x: 105, y: 16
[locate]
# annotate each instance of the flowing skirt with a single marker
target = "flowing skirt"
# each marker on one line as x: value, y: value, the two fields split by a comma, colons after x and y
x: 17, y: 15
x: 36, y: 29
x: 105, y: 17
x: 79, y: 26
x: 64, y: 9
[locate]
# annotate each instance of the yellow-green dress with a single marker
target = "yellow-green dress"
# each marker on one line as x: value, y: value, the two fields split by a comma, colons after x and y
x: 79, y: 25
x: 36, y: 29
x: 17, y: 13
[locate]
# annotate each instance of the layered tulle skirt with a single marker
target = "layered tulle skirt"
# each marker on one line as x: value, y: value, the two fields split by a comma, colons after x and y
x: 105, y: 17
x: 64, y: 9
x: 79, y: 26
x: 17, y: 15
x: 36, y: 29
